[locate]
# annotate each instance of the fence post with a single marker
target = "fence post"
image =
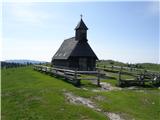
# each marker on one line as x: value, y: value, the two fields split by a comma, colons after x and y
x: 119, y: 78
x: 78, y: 82
x: 56, y: 73
x: 98, y: 78
x: 112, y: 67
x: 41, y: 68
x: 75, y: 74
x: 65, y: 75
x: 45, y: 69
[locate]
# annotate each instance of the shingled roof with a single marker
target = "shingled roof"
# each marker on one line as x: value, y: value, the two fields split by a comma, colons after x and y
x: 71, y: 47
x: 83, y: 49
x: 65, y: 49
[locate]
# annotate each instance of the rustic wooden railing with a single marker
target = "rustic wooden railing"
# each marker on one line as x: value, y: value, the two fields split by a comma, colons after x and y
x: 71, y: 75
x: 126, y: 70
x: 153, y: 79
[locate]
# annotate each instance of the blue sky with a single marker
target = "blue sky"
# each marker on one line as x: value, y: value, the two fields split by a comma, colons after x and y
x: 123, y: 31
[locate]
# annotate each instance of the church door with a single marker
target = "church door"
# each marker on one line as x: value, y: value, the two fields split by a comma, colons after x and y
x: 83, y: 64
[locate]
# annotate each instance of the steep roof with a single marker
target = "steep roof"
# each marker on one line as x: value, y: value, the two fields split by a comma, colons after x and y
x: 65, y: 49
x: 83, y: 49
x: 71, y: 47
x: 81, y: 25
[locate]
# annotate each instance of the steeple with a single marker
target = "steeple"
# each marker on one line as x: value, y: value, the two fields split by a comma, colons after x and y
x: 81, y: 31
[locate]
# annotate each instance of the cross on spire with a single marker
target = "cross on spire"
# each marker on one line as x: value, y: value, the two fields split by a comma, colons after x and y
x: 81, y: 16
x: 81, y: 24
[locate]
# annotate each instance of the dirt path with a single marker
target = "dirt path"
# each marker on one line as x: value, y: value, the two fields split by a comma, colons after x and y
x: 105, y: 87
x: 108, y: 86
x: 80, y: 100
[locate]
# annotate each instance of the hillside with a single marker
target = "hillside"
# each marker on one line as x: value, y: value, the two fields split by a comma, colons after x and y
x: 147, y: 66
x: 31, y: 95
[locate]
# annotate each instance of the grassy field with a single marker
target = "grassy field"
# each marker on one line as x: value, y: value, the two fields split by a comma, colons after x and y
x: 31, y: 95
x: 142, y: 66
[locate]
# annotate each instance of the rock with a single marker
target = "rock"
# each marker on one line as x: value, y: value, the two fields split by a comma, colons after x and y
x: 84, y: 88
x: 113, y: 116
x: 99, y: 98
x: 108, y: 86
x: 84, y: 101
x: 79, y: 100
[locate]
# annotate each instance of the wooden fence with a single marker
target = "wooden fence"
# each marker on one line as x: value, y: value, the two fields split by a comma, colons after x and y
x: 141, y: 80
x: 70, y: 75
x: 126, y: 70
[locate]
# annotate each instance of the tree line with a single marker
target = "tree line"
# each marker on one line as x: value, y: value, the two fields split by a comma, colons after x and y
x: 13, y: 65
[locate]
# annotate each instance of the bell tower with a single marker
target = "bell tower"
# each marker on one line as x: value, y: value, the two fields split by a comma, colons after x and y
x: 81, y: 31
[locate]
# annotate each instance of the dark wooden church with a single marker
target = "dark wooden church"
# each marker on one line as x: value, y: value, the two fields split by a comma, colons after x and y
x: 75, y: 53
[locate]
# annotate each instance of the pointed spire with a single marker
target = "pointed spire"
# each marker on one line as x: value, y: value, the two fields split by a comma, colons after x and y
x: 81, y: 24
x: 81, y: 16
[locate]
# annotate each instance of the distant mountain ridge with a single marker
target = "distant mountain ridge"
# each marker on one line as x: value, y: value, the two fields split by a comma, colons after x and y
x: 25, y: 61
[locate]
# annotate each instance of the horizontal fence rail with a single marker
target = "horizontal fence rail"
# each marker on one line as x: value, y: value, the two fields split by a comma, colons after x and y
x: 141, y: 79
x: 75, y: 77
x: 71, y: 75
x: 128, y: 69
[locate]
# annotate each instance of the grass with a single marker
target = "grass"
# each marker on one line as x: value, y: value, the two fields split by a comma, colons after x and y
x: 115, y: 75
x: 142, y: 105
x: 113, y: 82
x: 151, y: 66
x: 144, y: 66
x: 31, y: 95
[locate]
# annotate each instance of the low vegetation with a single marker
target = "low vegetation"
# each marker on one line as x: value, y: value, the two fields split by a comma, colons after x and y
x: 31, y: 95
x: 144, y: 66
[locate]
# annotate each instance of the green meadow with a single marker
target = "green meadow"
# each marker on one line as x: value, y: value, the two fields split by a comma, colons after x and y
x: 30, y: 95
